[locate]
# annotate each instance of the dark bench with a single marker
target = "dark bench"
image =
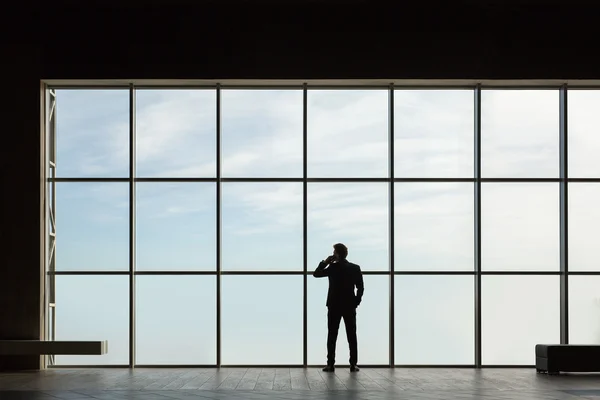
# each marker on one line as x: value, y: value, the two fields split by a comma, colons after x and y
x: 39, y: 347
x: 555, y: 358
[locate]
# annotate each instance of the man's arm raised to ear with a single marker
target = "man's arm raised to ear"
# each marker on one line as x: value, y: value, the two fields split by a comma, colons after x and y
x: 322, y: 270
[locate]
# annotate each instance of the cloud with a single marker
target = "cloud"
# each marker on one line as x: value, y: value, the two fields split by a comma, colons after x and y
x: 584, y: 226
x: 169, y: 200
x: 434, y: 226
x: 95, y: 194
x: 349, y: 127
x: 250, y: 231
x: 92, y: 133
x: 519, y: 133
x: 175, y: 131
x: 583, y: 125
x: 262, y: 133
x: 434, y: 132
x: 269, y: 218
x: 520, y: 226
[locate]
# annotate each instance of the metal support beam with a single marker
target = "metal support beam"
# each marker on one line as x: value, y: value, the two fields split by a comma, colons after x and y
x: 564, y: 219
x: 132, y: 226
x: 477, y: 225
x: 391, y: 224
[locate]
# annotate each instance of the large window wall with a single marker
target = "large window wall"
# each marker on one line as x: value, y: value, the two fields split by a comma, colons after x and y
x: 189, y: 221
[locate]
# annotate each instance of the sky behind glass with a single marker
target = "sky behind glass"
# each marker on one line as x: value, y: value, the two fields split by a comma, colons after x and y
x: 262, y: 222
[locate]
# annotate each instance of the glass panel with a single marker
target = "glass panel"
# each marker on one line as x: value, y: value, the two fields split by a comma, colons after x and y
x: 520, y: 226
x: 176, y: 320
x: 348, y: 133
x: 176, y: 226
x: 519, y: 133
x: 262, y: 133
x: 372, y: 323
x: 262, y: 226
x: 176, y: 133
x: 435, y: 320
x: 584, y: 308
x: 92, y: 222
x: 584, y: 141
x: 93, y: 308
x: 262, y: 319
x: 92, y: 133
x: 433, y: 133
x: 584, y: 226
x: 518, y: 312
x: 355, y: 214
x: 433, y: 226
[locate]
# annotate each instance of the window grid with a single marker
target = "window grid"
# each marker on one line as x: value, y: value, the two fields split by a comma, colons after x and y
x: 477, y: 272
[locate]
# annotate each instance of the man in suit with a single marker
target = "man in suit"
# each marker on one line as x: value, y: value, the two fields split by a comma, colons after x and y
x: 341, y: 301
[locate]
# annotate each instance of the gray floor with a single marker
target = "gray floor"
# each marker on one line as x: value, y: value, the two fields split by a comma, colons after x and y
x: 295, y: 383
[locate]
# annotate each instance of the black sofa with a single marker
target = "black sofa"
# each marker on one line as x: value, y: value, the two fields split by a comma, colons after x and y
x: 555, y: 358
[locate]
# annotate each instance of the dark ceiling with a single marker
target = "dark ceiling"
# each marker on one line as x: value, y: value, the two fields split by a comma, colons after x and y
x: 304, y: 39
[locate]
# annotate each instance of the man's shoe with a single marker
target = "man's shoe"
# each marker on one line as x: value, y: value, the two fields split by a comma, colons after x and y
x: 329, y: 368
x: 354, y: 368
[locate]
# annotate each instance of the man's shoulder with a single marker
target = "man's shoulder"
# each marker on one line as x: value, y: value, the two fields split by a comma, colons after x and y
x: 353, y: 265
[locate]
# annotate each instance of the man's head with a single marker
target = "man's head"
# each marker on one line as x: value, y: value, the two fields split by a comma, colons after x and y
x: 340, y: 251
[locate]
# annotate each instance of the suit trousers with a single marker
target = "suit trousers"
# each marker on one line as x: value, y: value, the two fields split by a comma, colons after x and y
x: 334, y: 316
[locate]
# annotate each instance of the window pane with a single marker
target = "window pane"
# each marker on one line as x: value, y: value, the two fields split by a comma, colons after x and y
x: 347, y: 133
x: 355, y: 214
x: 176, y: 226
x: 433, y: 226
x: 262, y: 226
x: 518, y: 312
x: 92, y: 133
x: 584, y: 307
x: 435, y: 320
x: 94, y: 308
x: 176, y: 133
x: 262, y: 319
x: 584, y: 141
x: 519, y: 133
x: 92, y: 218
x: 433, y: 133
x: 520, y: 226
x: 372, y: 323
x: 584, y: 226
x: 262, y: 133
x: 176, y: 320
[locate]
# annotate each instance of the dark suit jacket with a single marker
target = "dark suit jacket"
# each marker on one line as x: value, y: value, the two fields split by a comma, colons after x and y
x: 343, y: 277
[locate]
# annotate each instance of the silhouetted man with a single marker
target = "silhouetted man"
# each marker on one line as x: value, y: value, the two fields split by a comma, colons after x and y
x: 341, y: 301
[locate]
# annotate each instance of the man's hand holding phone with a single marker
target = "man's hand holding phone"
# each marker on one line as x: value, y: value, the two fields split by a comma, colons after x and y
x: 330, y: 259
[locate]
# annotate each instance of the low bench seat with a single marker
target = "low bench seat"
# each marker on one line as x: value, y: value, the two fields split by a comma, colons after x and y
x: 555, y: 358
x: 56, y: 347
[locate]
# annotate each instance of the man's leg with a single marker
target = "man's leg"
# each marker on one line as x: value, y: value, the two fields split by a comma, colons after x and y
x: 333, y: 325
x: 350, y: 322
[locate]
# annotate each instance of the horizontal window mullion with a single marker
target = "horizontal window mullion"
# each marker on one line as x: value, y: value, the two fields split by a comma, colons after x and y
x: 521, y: 272
x: 82, y: 272
x: 84, y: 179
x: 318, y: 180
x: 300, y: 272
